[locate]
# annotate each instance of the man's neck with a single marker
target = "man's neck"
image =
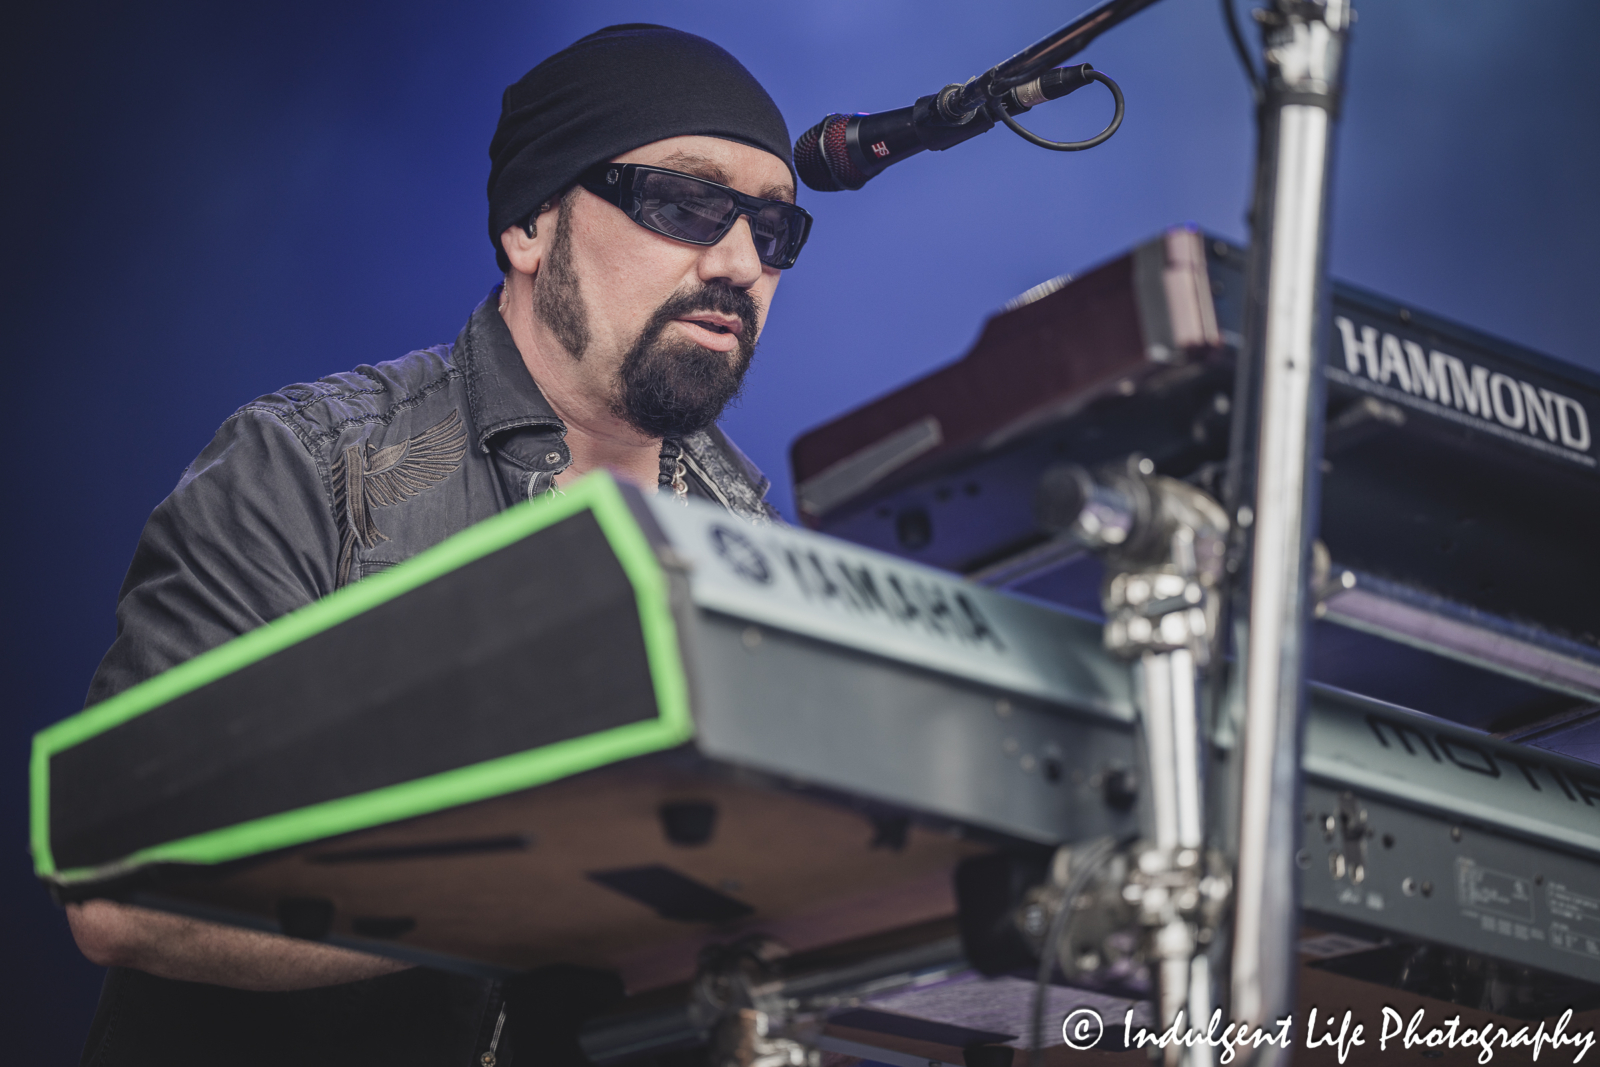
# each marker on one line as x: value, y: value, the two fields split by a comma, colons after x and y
x: 596, y: 436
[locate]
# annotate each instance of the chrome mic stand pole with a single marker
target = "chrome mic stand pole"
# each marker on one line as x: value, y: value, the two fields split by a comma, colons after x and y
x: 1275, y: 488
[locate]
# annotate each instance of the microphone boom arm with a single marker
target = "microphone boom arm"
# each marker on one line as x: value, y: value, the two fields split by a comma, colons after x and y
x: 1049, y: 51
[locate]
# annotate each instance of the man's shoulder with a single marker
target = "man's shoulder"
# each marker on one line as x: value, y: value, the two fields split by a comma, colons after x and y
x: 371, y: 395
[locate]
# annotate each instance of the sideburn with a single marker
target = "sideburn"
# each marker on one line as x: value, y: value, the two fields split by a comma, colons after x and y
x: 557, y: 298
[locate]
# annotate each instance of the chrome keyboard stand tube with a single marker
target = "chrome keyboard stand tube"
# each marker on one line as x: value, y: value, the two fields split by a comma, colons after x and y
x: 1164, y: 543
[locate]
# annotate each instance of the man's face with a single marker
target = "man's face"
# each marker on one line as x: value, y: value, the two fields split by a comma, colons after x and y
x: 662, y: 329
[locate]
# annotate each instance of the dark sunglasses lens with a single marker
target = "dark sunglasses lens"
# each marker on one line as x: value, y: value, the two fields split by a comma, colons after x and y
x: 684, y: 208
x: 777, y: 230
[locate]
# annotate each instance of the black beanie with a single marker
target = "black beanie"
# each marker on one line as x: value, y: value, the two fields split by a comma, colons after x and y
x: 609, y: 93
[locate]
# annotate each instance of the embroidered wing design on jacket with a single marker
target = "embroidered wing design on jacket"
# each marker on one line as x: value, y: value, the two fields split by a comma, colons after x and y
x: 379, y: 477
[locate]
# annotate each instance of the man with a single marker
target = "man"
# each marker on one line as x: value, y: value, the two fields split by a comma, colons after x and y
x: 641, y: 209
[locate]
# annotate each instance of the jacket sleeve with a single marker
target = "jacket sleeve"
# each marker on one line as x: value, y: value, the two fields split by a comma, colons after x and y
x: 247, y: 535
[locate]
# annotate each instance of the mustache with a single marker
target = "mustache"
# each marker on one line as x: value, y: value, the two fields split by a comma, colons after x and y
x: 717, y: 297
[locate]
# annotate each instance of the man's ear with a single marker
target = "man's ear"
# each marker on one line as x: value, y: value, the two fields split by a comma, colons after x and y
x: 523, y: 252
x: 525, y: 245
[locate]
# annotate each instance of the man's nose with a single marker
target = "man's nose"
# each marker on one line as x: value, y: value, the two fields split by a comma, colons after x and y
x: 733, y: 259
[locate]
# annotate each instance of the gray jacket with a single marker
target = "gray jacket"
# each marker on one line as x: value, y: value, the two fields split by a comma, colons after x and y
x: 300, y: 492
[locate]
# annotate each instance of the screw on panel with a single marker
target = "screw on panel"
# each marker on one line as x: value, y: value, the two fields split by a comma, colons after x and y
x: 688, y: 823
x: 890, y: 832
x: 1120, y: 788
x: 1455, y: 833
x: 914, y: 529
x: 1427, y: 889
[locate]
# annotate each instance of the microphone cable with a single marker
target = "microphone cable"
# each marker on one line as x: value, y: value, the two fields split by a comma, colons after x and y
x: 1257, y: 83
x: 998, y: 111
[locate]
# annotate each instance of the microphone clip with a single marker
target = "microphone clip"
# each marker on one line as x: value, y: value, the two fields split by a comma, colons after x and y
x: 947, y: 106
x: 937, y: 129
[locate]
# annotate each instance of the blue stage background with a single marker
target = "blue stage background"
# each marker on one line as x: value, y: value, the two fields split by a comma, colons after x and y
x: 204, y: 202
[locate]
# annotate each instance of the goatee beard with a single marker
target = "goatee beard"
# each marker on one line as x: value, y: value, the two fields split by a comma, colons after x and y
x: 675, y: 387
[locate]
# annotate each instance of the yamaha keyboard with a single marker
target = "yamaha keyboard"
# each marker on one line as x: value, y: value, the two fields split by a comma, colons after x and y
x: 607, y: 730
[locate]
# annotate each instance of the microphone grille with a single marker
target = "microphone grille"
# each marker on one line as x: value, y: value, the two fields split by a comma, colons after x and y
x: 808, y: 161
x: 822, y: 158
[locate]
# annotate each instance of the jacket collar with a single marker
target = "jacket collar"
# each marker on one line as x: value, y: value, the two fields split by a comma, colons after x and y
x: 501, y: 394
x: 512, y: 422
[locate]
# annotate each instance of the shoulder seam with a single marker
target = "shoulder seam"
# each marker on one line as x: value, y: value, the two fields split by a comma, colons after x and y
x: 327, y: 433
x: 379, y: 384
x: 385, y: 417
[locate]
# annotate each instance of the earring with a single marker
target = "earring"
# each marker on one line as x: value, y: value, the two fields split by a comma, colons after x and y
x: 532, y: 227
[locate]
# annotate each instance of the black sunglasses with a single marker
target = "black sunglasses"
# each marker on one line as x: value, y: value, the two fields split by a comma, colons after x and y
x: 699, y: 212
